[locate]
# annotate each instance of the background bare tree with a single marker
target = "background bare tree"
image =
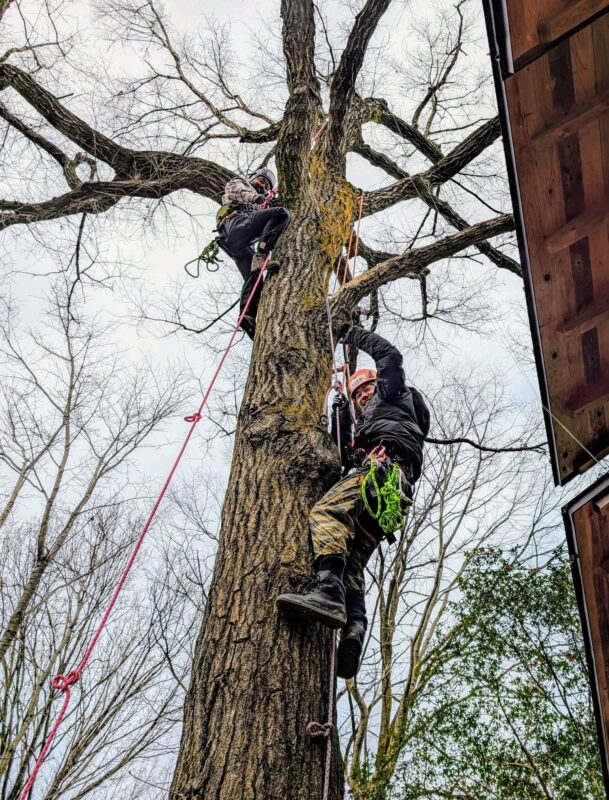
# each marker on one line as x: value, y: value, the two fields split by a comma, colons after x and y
x: 74, y: 416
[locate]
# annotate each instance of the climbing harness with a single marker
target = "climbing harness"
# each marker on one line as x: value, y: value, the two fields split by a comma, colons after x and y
x: 323, y: 730
x: 209, y: 256
x: 63, y: 683
x: 389, y: 494
x: 210, y: 253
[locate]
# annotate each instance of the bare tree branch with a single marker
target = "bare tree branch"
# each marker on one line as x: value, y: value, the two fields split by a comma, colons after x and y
x: 342, y: 88
x: 540, y: 448
x: 266, y: 135
x: 34, y: 136
x: 378, y: 111
x: 200, y: 176
x: 178, y: 325
x: 303, y: 108
x: 436, y: 203
x: 69, y: 124
x: 151, y: 174
x: 413, y: 263
x: 432, y: 93
x: 269, y: 134
x: 67, y: 164
x: 450, y: 165
x: 81, y: 201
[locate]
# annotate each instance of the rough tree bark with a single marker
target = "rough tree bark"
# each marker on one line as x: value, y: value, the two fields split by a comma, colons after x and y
x: 257, y: 681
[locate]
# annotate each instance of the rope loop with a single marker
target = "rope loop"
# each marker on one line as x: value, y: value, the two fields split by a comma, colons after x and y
x: 196, y: 417
x: 63, y: 682
x: 319, y: 730
x: 187, y: 268
x: 209, y: 256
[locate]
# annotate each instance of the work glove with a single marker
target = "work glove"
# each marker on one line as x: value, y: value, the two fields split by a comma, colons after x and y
x: 260, y: 199
x: 339, y: 401
x: 343, y: 331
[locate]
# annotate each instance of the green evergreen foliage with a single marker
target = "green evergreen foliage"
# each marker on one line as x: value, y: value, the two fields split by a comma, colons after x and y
x: 507, y: 711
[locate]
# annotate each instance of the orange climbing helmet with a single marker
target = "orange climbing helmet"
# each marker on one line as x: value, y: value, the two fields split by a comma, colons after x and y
x: 359, y: 378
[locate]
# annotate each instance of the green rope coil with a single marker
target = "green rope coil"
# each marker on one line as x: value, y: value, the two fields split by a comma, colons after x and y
x: 209, y: 254
x: 388, y: 512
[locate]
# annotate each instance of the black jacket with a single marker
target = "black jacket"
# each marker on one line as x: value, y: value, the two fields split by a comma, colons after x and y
x: 389, y: 417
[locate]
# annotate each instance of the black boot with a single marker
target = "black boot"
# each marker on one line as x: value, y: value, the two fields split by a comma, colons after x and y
x: 248, y: 324
x: 352, y: 637
x: 325, y: 601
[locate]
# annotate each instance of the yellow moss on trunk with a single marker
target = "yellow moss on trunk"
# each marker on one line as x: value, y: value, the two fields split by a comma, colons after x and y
x: 337, y: 202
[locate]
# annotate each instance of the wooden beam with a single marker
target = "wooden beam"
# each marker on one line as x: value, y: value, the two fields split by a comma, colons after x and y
x: 601, y: 504
x: 586, y: 397
x: 578, y: 227
x: 598, y: 455
x: 575, y: 13
x: 588, y: 318
x: 577, y: 118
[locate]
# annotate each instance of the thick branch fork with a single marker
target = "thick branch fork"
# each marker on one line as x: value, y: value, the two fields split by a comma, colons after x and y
x: 342, y: 89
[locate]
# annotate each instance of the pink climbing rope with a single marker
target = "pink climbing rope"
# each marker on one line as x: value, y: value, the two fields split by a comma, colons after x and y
x: 322, y: 730
x: 318, y: 133
x: 62, y: 682
x: 359, y: 222
x: 269, y: 197
x: 347, y: 258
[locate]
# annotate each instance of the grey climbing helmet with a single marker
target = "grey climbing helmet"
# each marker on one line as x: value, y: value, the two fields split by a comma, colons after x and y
x: 267, y: 174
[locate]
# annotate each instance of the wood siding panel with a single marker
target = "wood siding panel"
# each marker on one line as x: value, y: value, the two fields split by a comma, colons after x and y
x: 564, y: 180
x: 535, y: 23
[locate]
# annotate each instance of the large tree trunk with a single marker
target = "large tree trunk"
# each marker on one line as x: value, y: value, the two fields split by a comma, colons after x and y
x: 258, y: 680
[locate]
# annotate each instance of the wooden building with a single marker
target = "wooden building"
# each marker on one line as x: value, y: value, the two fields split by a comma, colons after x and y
x: 552, y: 77
x: 551, y: 68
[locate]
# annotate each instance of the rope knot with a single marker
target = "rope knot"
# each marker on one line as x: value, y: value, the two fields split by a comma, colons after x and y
x: 319, y: 730
x: 196, y: 417
x: 63, y: 682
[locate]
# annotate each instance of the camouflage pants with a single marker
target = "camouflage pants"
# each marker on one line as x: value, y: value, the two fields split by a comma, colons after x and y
x: 340, y: 525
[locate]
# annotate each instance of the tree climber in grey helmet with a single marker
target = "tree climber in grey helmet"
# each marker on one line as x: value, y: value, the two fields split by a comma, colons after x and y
x: 241, y: 224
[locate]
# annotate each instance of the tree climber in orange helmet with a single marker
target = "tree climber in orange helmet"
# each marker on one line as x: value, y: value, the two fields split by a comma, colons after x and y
x: 390, y: 415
